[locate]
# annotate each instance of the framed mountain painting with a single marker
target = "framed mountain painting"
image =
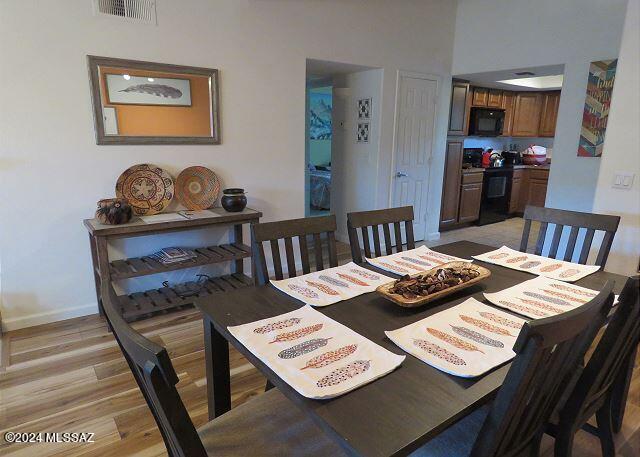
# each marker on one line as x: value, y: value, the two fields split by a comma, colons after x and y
x: 602, y: 75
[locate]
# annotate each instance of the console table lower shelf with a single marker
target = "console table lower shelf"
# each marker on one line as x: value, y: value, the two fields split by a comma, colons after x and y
x: 142, y: 304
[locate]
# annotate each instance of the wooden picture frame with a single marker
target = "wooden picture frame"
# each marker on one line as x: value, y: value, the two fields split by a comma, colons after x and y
x: 94, y: 64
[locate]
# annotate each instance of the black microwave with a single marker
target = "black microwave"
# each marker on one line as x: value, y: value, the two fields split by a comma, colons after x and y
x: 486, y: 122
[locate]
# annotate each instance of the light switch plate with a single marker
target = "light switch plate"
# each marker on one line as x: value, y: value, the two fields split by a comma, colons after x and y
x: 623, y: 180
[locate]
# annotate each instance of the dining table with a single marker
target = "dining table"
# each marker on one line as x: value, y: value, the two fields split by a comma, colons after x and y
x: 395, y: 414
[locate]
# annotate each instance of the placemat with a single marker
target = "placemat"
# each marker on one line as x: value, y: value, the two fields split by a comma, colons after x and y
x: 541, y: 297
x: 537, y: 265
x: 467, y: 340
x: 317, y: 356
x: 413, y: 261
x: 326, y: 287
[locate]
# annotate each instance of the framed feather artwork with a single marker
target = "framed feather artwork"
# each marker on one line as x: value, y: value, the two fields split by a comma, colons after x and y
x: 125, y: 89
x: 466, y: 340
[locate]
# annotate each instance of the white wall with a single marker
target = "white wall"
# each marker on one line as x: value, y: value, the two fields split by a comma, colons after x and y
x: 509, y: 34
x: 622, y: 150
x: 52, y: 173
x: 355, y: 165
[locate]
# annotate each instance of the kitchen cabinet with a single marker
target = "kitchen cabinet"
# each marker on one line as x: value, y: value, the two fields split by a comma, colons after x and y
x: 451, y: 184
x: 537, y: 188
x: 459, y: 111
x: 480, y: 96
x: 526, y: 116
x: 494, y: 98
x: 549, y: 113
x: 507, y: 101
x: 516, y: 186
x: 470, y: 197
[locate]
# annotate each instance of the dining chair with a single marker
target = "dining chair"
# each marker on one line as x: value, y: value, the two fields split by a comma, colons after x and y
x: 267, y: 425
x: 594, y: 390
x: 576, y: 220
x: 514, y: 423
x: 364, y: 220
x: 304, y: 229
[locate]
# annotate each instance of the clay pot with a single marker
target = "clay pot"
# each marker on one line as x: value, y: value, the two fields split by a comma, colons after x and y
x: 113, y: 211
x: 233, y: 200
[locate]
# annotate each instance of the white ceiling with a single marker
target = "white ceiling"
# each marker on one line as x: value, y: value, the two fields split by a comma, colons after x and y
x: 492, y: 78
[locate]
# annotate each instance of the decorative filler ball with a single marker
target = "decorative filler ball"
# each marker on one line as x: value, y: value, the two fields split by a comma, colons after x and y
x: 114, y: 211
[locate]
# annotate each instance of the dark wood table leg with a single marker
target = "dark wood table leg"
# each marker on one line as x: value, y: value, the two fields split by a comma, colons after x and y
x: 621, y: 391
x: 102, y: 253
x: 216, y: 355
x: 96, y: 270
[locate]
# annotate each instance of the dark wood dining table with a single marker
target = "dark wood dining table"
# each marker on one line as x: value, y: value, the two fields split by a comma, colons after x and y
x: 395, y: 414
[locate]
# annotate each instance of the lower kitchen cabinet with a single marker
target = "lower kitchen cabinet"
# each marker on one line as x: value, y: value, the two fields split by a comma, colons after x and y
x: 529, y: 187
x: 470, y: 198
x: 451, y: 184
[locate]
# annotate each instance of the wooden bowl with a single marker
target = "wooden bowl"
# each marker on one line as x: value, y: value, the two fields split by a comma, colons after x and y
x: 422, y: 300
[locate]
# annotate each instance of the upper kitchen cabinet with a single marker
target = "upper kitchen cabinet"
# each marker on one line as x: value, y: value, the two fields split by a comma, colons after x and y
x: 480, y: 96
x: 526, y: 116
x: 507, y: 105
x: 459, y: 113
x: 494, y: 98
x: 549, y: 114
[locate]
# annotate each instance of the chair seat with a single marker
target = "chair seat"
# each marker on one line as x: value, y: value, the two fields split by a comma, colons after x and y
x: 267, y: 425
x: 457, y: 440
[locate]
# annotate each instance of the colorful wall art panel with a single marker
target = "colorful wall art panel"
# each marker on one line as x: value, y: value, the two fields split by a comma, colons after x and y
x: 602, y: 75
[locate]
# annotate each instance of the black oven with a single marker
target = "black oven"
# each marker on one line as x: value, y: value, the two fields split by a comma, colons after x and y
x: 496, y: 192
x: 486, y: 122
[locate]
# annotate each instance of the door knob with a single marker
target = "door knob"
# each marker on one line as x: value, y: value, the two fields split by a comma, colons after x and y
x: 400, y: 174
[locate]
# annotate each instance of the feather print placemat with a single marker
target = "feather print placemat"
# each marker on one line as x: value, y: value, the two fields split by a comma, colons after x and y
x: 542, y: 297
x: 317, y: 356
x: 413, y: 261
x: 537, y: 265
x: 466, y: 340
x: 326, y: 287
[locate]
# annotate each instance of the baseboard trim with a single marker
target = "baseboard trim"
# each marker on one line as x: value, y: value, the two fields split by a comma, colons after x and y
x: 31, y: 320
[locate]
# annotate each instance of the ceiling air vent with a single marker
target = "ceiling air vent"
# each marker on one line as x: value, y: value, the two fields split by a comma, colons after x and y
x: 524, y: 73
x: 131, y: 10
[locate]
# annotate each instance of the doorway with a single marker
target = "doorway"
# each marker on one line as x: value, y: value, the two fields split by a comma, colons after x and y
x: 414, y: 135
x: 319, y: 136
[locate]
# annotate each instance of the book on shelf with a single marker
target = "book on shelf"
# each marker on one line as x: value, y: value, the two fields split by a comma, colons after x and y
x: 168, y: 256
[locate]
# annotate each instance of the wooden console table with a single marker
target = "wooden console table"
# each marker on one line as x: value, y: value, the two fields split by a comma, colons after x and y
x: 141, y: 304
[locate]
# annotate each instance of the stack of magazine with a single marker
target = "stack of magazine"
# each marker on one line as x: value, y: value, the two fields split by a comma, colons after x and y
x: 169, y: 256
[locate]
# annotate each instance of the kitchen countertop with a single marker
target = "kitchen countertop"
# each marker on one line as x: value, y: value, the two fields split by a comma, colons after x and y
x: 515, y: 167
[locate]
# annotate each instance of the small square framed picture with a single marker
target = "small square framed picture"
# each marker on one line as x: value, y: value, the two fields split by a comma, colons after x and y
x: 362, y: 133
x: 364, y: 108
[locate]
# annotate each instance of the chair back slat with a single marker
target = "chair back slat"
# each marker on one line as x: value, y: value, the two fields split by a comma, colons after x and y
x: 571, y: 245
x: 528, y: 395
x: 576, y: 220
x: 387, y: 239
x: 541, y: 236
x: 398, y: 235
x: 387, y: 218
x: 317, y: 247
x: 277, y: 261
x: 304, y: 254
x: 555, y: 242
x: 526, y: 231
x: 376, y: 241
x: 157, y: 379
x: 408, y: 230
x: 365, y: 241
x: 291, y: 261
x: 319, y: 231
x: 610, y: 357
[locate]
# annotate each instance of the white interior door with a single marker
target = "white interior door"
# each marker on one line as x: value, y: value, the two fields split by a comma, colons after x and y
x: 415, y: 117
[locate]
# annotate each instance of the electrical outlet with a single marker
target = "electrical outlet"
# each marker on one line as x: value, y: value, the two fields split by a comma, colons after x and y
x: 623, y: 180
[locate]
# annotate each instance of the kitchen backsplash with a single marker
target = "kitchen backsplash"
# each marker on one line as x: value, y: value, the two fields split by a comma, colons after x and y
x: 503, y: 143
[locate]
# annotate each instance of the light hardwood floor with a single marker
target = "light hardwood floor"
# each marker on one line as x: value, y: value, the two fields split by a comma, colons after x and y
x: 70, y: 376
